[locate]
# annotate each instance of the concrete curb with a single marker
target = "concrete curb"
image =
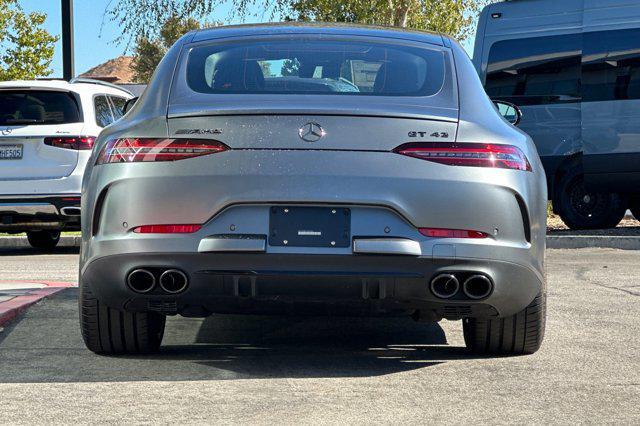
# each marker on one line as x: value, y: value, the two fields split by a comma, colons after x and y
x: 10, y: 309
x: 591, y: 241
x: 21, y: 242
x: 553, y: 242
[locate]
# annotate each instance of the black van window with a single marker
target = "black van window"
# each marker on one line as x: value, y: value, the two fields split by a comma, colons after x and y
x: 611, y: 65
x: 536, y: 71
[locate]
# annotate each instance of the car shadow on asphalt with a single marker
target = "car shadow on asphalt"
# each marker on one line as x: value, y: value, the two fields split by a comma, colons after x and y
x: 296, y: 347
x: 44, y: 345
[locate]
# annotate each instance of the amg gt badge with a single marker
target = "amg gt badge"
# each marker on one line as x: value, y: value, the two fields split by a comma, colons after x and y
x: 199, y: 132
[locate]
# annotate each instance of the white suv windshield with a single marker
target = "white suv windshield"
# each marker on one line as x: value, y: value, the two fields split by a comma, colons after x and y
x: 316, y: 67
x: 24, y: 107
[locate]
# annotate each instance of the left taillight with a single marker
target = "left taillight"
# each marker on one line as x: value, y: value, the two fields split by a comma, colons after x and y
x: 137, y: 150
x: 79, y: 143
x: 468, y: 154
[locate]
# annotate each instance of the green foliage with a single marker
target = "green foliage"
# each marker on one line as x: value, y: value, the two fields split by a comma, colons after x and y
x: 139, y: 18
x: 452, y: 17
x: 27, y: 49
x: 290, y: 67
x: 148, y: 52
x: 266, y: 69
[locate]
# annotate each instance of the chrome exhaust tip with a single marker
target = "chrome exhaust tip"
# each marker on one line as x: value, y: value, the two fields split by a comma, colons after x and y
x: 141, y: 281
x: 70, y: 211
x: 445, y: 286
x: 477, y: 287
x: 173, y: 281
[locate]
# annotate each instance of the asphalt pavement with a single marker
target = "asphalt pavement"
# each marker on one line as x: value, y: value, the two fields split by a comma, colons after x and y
x: 268, y: 370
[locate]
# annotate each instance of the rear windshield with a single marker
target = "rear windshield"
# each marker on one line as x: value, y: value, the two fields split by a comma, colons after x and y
x: 316, y: 67
x: 24, y: 107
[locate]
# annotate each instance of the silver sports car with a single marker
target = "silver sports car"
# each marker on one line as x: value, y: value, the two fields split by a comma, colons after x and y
x: 314, y: 169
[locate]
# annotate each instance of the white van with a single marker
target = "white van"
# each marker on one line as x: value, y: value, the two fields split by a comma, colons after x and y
x: 573, y: 67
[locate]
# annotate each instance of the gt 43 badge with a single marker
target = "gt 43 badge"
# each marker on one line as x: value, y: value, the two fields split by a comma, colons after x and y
x: 433, y: 135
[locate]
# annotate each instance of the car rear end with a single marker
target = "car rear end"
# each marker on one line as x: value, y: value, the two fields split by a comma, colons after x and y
x: 385, y: 196
x: 43, y: 142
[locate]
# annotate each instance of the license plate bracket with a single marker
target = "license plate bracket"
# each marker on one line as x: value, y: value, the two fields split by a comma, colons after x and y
x: 11, y: 152
x: 309, y: 226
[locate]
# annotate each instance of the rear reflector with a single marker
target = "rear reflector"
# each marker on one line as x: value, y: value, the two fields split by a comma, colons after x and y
x: 79, y: 143
x: 137, y: 150
x: 451, y: 233
x: 167, y: 229
x: 468, y: 154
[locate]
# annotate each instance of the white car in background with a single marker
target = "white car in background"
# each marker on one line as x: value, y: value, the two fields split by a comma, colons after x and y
x: 47, y: 130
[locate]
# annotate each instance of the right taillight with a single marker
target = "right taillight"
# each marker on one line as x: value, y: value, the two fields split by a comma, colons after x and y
x: 136, y: 150
x: 468, y: 154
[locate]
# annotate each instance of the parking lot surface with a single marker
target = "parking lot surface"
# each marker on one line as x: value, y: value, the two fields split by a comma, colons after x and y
x: 231, y: 369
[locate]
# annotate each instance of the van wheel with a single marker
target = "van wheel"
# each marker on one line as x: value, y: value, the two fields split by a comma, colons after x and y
x: 110, y: 331
x: 43, y: 240
x: 520, y: 334
x: 580, y: 209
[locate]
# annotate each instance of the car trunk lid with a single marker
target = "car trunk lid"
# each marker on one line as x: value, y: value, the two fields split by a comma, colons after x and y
x: 346, y: 131
x: 35, y: 159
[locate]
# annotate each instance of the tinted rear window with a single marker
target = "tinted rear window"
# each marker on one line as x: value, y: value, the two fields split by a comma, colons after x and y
x: 536, y: 71
x: 316, y: 67
x: 24, y: 107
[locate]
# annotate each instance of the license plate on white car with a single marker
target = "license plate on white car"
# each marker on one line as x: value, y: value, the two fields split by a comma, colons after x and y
x: 10, y: 152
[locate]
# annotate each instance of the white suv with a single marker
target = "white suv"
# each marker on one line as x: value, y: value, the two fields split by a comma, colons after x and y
x: 47, y: 129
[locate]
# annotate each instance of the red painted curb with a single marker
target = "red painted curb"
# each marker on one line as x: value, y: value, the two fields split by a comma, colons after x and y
x: 14, y: 307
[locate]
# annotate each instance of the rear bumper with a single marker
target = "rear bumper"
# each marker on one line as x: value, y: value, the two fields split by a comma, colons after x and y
x: 71, y: 185
x: 311, y: 284
x: 389, y: 196
x: 47, y: 212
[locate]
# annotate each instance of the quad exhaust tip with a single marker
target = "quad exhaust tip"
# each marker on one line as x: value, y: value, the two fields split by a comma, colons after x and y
x: 173, y: 281
x: 141, y: 281
x: 477, y: 287
x: 445, y: 286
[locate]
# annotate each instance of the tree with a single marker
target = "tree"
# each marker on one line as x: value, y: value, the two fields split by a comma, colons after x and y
x: 27, y: 48
x: 148, y: 52
x: 138, y: 18
x: 453, y: 17
x: 290, y: 67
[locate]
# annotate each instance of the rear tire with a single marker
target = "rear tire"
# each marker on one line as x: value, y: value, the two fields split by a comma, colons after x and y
x: 580, y: 209
x: 110, y: 331
x: 520, y: 334
x: 43, y: 240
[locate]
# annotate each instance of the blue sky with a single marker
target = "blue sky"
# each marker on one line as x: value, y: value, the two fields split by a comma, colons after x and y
x: 94, y: 35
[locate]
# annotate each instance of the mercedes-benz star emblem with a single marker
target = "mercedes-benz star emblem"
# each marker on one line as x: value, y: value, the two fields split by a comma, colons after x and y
x: 311, y: 132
